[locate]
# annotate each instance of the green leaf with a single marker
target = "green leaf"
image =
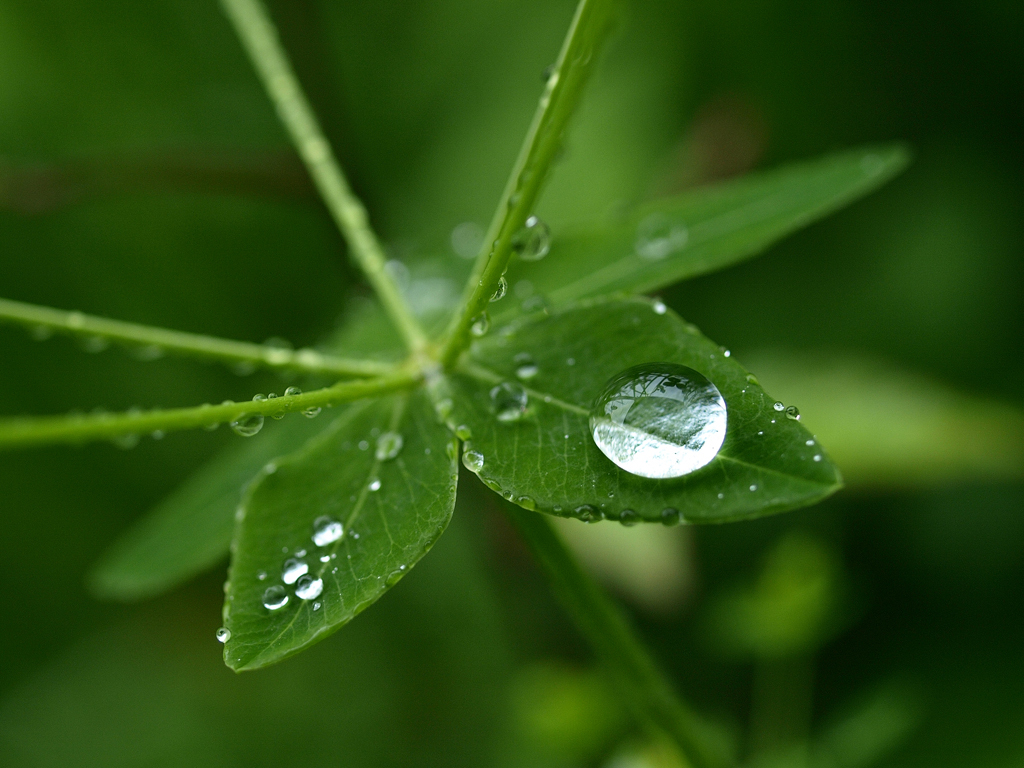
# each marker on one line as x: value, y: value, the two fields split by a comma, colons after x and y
x: 547, y: 459
x: 191, y: 529
x: 391, y: 510
x: 706, y: 229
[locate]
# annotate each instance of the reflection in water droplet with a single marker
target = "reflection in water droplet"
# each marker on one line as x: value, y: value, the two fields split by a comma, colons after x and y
x: 533, y: 241
x: 628, y: 517
x: 481, y: 324
x: 508, y: 401
x: 501, y: 290
x: 659, y: 420
x: 223, y: 635
x: 474, y: 461
x: 779, y: 407
x: 326, y: 530
x: 587, y: 513
x: 463, y: 432
x: 307, y: 587
x: 670, y: 516
x: 312, y: 412
x: 526, y: 368
x: 389, y: 445
x: 292, y: 569
x: 275, y: 597
x: 658, y: 236
x: 792, y: 412
x: 248, y: 424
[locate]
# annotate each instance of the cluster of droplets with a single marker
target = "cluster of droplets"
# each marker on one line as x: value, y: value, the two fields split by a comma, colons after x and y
x: 250, y: 424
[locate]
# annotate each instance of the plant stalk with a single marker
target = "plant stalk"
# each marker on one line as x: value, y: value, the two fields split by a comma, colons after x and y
x: 259, y: 37
x: 157, y: 341
x: 645, y: 688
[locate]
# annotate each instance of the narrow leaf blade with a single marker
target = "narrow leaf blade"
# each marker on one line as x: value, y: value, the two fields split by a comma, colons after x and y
x: 707, y: 229
x: 547, y: 460
x: 391, y: 510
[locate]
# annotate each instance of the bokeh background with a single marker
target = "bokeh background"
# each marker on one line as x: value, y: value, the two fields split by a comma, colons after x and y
x: 143, y: 176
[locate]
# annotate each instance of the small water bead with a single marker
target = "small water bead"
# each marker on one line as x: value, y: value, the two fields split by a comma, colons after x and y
x: 292, y: 569
x: 779, y: 407
x: 792, y: 412
x: 659, y: 420
x: 809, y: 442
x: 473, y: 461
x: 316, y: 606
x: 248, y: 424
x: 657, y: 236
x: 223, y: 635
x: 275, y: 598
x: 312, y: 412
x: 526, y: 368
x: 374, y: 485
x: 463, y: 432
x: 326, y: 530
x: 659, y: 308
x: 671, y: 516
x: 261, y: 575
x: 753, y: 487
x: 300, y: 553
x: 389, y: 445
x: 817, y: 457
x: 508, y: 401
x: 533, y: 241
x: 363, y: 445
x: 308, y: 588
x: 628, y: 518
x: 501, y: 290
x: 325, y: 558
x: 587, y: 513
x: 481, y: 324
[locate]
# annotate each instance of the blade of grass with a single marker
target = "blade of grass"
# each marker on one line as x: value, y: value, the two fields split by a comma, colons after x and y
x: 256, y: 30
x: 643, y: 686
x: 24, y: 432
x: 162, y: 340
x: 589, y: 29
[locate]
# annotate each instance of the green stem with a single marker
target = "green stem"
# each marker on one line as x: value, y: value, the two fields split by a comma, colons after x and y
x: 589, y: 28
x: 162, y: 340
x: 256, y: 30
x: 643, y: 686
x: 21, y: 432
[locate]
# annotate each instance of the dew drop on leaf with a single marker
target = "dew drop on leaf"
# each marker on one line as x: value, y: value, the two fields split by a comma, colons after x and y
x: 223, y: 635
x: 792, y: 412
x: 389, y: 445
x: 658, y: 236
x: 292, y: 569
x: 533, y: 241
x: 481, y: 324
x: 508, y: 401
x: 779, y: 407
x: 309, y: 588
x: 374, y: 484
x: 473, y: 460
x: 587, y: 513
x: 659, y: 420
x: 275, y: 597
x: 671, y: 516
x: 312, y: 412
x: 628, y: 517
x: 326, y: 530
x: 526, y: 368
x: 501, y: 290
x: 248, y: 424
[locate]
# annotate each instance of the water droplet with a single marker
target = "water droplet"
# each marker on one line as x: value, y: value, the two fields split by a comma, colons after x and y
x: 659, y: 307
x: 451, y: 448
x: 533, y: 241
x: 248, y: 424
x: 657, y: 236
x: 275, y: 597
x: 466, y: 239
x: 628, y: 517
x: 721, y: 496
x: 261, y: 575
x: 817, y: 457
x: 508, y: 401
x: 809, y: 442
x: 292, y: 569
x: 587, y: 513
x: 501, y: 290
x: 526, y: 368
x: 292, y: 392
x: 312, y: 412
x: 474, y: 461
x: 307, y: 587
x: 374, y: 485
x: 779, y: 407
x: 570, y: 361
x: 394, y: 577
x: 671, y: 516
x: 726, y: 353
x: 316, y: 606
x: 792, y: 412
x: 659, y: 420
x: 753, y: 487
x: 389, y: 445
x: 481, y: 324
x: 751, y: 378
x: 463, y: 432
x: 326, y: 530
x: 300, y: 553
x: 363, y: 445
x: 223, y: 635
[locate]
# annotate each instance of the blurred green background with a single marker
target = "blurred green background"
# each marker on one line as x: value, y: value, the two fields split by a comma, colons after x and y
x: 143, y: 176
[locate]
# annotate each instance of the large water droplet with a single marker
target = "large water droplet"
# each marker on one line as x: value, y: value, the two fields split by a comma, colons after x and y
x: 501, y: 290
x: 248, y: 424
x: 223, y: 635
x: 275, y: 597
x: 508, y: 401
x: 326, y: 530
x: 308, y: 588
x: 533, y: 241
x: 389, y: 445
x: 792, y: 412
x: 473, y: 460
x: 658, y: 236
x: 659, y: 420
x: 292, y: 569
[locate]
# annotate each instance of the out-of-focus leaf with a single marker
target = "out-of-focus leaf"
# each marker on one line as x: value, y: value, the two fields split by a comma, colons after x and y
x: 887, y: 427
x: 704, y: 230
x: 190, y: 530
x: 547, y: 459
x: 386, y: 472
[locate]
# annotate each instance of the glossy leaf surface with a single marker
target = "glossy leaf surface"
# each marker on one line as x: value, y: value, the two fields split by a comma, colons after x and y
x: 391, y: 511
x: 547, y: 459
